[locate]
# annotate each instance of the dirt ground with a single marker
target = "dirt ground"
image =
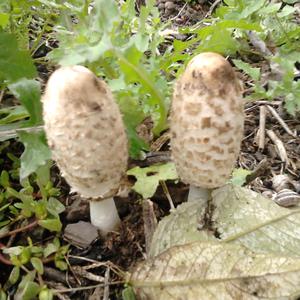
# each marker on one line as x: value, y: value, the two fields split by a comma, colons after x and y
x: 120, y: 251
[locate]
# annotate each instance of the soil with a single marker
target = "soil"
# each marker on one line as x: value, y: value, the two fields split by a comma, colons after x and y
x: 120, y: 251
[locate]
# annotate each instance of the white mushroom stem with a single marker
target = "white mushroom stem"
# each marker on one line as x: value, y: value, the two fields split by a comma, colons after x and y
x: 198, y: 194
x: 104, y: 215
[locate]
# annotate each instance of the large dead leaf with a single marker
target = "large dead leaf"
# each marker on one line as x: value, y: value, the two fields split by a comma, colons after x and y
x: 236, y: 215
x: 203, y: 270
x: 180, y: 227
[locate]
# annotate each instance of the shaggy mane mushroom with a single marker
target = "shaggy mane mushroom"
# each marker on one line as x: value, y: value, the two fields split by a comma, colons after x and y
x: 85, y: 131
x: 207, y: 122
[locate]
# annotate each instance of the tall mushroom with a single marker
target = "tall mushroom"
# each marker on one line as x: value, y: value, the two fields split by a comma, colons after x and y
x: 206, y: 122
x: 85, y: 131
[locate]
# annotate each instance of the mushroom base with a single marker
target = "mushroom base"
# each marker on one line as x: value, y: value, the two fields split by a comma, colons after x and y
x: 198, y: 194
x: 104, y: 215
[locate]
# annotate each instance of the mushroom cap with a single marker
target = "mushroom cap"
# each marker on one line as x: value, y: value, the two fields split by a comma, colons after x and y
x: 85, y: 131
x: 207, y: 121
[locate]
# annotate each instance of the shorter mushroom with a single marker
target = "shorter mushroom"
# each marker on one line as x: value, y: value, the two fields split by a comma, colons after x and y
x: 86, y: 134
x: 206, y: 123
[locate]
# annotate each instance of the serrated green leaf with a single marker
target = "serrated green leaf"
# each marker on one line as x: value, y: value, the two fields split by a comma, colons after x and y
x: 37, y: 264
x: 29, y: 93
x: 251, y: 8
x: 148, y: 178
x: 14, y: 63
x: 51, y: 224
x: 254, y: 73
x: 36, y: 152
x: 286, y: 11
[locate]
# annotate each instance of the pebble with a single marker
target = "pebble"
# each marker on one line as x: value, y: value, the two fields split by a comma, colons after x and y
x: 161, y: 6
x: 170, y: 5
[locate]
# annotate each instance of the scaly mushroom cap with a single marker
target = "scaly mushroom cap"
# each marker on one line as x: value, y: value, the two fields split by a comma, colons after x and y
x: 85, y: 131
x: 206, y: 121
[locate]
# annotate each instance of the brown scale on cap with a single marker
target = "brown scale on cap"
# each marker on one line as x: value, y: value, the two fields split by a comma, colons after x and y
x: 85, y: 131
x: 206, y: 121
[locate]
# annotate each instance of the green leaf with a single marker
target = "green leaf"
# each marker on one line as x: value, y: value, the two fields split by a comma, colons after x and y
x: 4, y: 179
x: 36, y: 152
x: 14, y: 63
x: 128, y: 293
x: 40, y: 209
x: 51, y: 224
x: 17, y: 250
x: 27, y: 291
x: 13, y: 114
x: 106, y: 14
x: 46, y: 294
x: 254, y: 73
x: 29, y: 93
x: 62, y: 265
x: 55, y: 207
x: 2, y: 295
x: 37, y: 264
x: 286, y: 11
x: 251, y: 8
x: 14, y: 275
x: 290, y: 1
x: 4, y: 19
x: 25, y: 255
x: 148, y: 178
x: 239, y: 176
x: 50, y: 249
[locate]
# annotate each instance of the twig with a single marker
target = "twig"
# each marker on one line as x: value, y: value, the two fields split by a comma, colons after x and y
x: 9, y: 134
x: 5, y: 260
x: 179, y: 13
x: 85, y: 274
x: 106, y: 287
x: 159, y: 142
x: 150, y: 222
x: 259, y: 44
x: 166, y: 192
x: 58, y: 276
x: 12, y: 232
x: 262, y: 127
x: 158, y: 157
x: 212, y: 7
x: 111, y: 265
x: 273, y: 103
x: 257, y: 172
x: 87, y: 287
x: 1, y: 95
x: 281, y: 121
x: 279, y: 146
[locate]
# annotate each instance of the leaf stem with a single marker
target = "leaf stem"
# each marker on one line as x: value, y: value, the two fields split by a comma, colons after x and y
x: 21, y: 229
